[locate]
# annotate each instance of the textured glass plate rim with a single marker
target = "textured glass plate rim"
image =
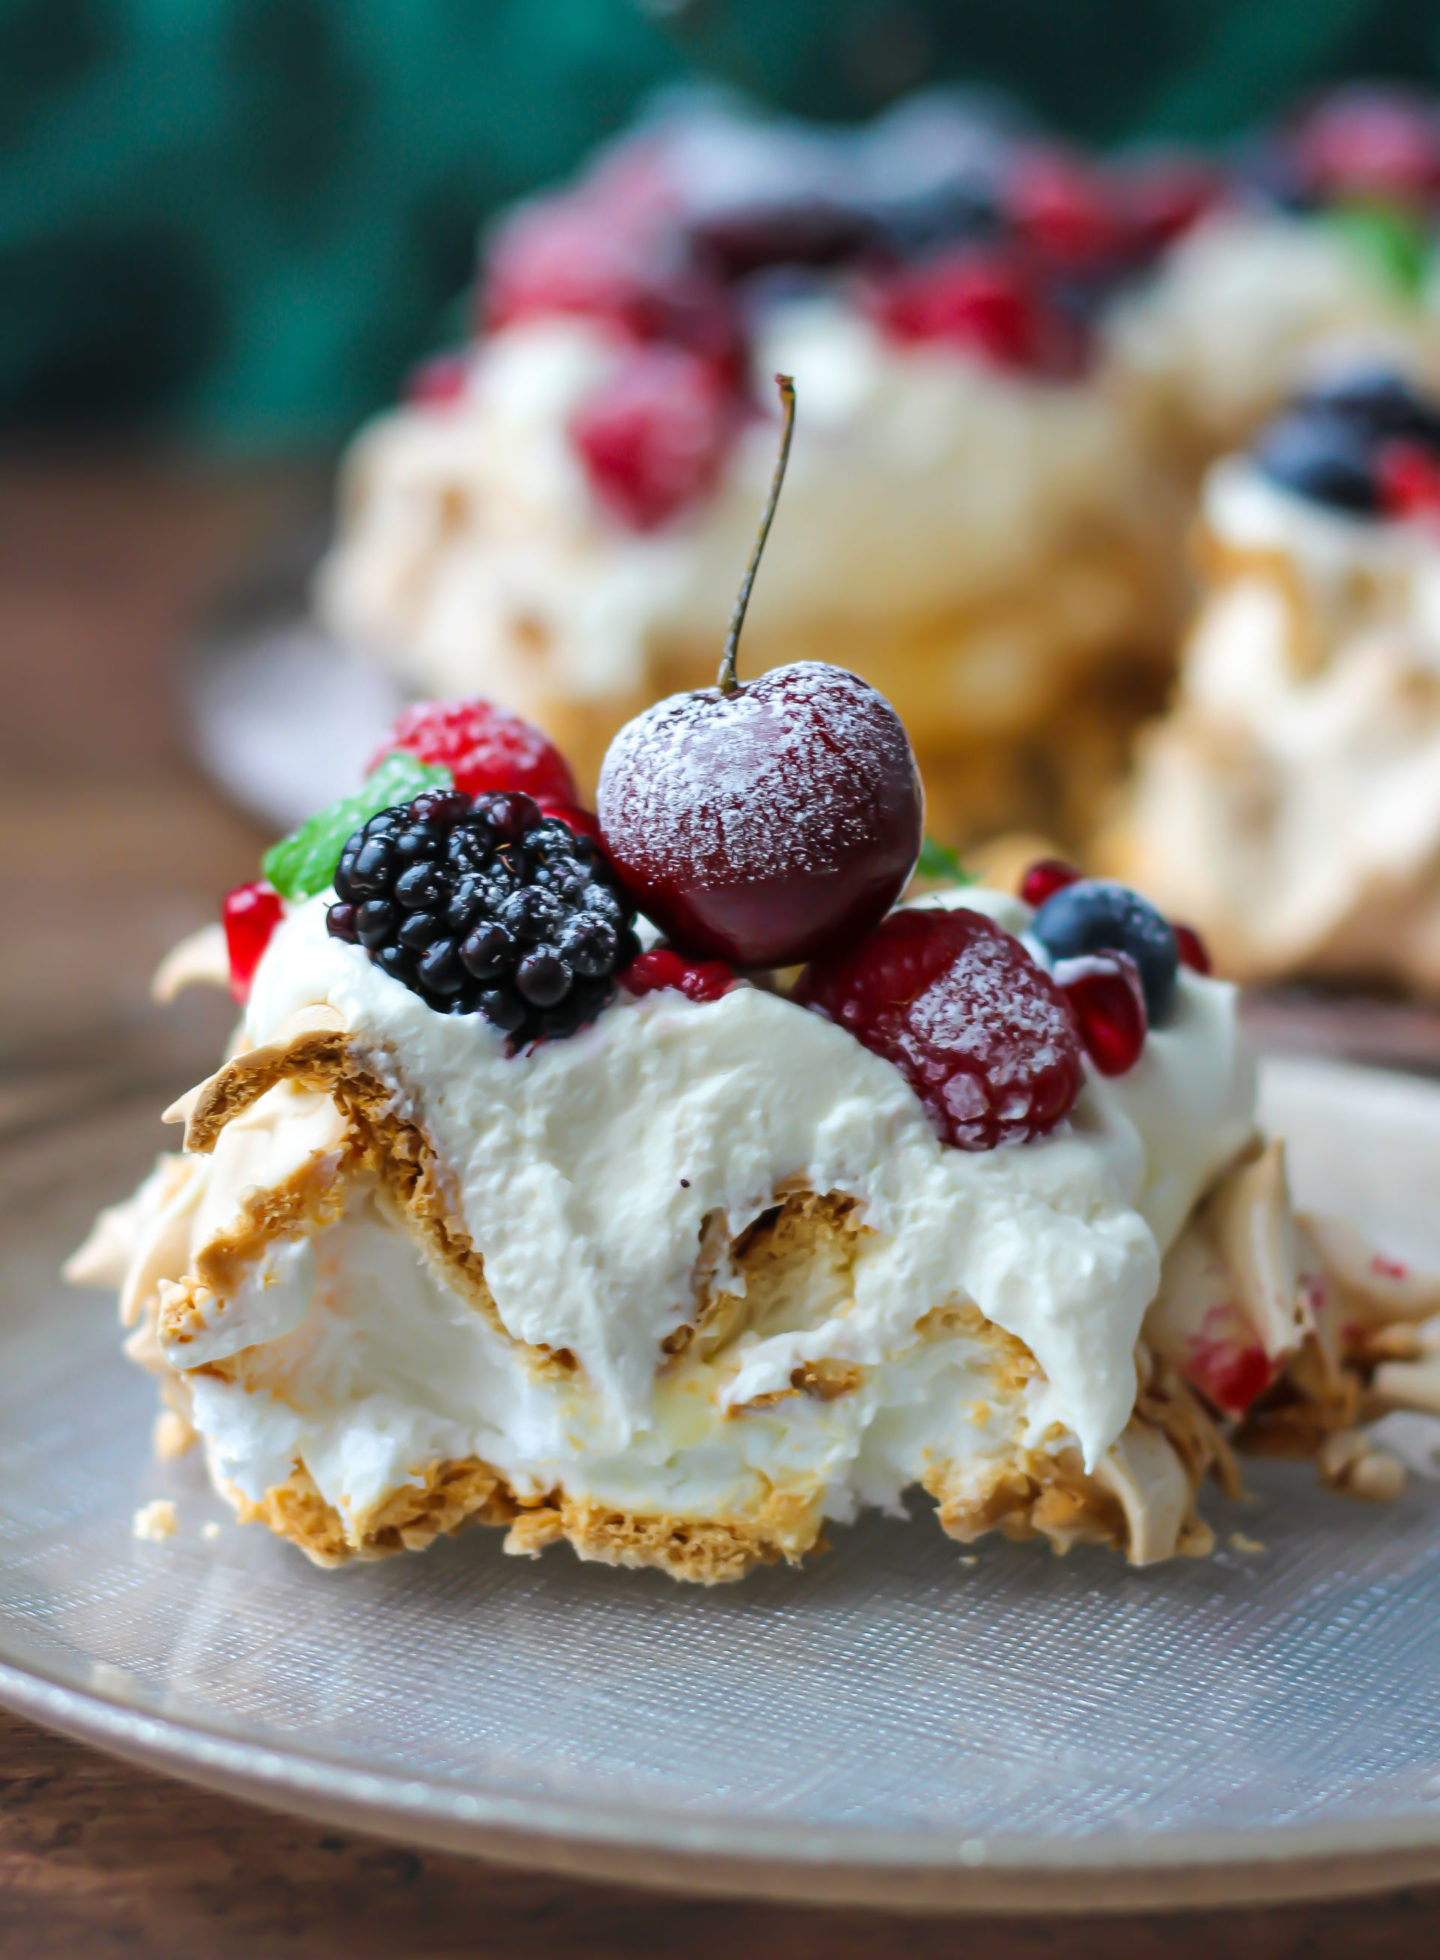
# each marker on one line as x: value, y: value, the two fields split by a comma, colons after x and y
x: 651, y: 1845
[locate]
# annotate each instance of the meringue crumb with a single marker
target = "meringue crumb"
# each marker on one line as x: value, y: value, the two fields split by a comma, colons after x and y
x: 156, y: 1521
x: 171, y: 1436
x: 970, y: 1561
x: 1240, y: 1543
x: 210, y: 1529
x: 980, y: 1414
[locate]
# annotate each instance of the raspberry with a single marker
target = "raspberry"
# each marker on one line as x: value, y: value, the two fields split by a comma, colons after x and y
x: 1192, y: 949
x: 652, y: 439
x: 663, y: 967
x: 250, y: 914
x: 1060, y: 208
x: 484, y: 748
x: 1163, y: 198
x: 984, y: 304
x: 626, y: 267
x: 1409, y: 480
x: 1108, y: 1003
x: 982, y: 1035
x: 1371, y: 143
x: 1045, y: 877
x: 485, y: 906
x: 440, y: 380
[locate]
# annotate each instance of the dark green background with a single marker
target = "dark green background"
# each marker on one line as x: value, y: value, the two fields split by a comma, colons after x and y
x: 238, y: 220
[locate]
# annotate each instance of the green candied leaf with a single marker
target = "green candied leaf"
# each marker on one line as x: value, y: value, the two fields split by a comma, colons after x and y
x: 939, y: 865
x: 1392, y: 242
x: 304, y: 862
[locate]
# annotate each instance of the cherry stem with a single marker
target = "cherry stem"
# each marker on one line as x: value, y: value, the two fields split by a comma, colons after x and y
x: 727, y: 681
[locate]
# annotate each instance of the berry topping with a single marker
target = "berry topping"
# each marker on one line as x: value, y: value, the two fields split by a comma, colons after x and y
x: 795, y: 229
x: 1108, y: 1003
x: 304, y: 862
x: 1192, y: 949
x: 250, y: 914
x: 1377, y: 402
x: 1322, y: 458
x: 1061, y: 207
x: 767, y: 822
x: 485, y: 906
x: 1046, y: 877
x: 986, y: 305
x: 662, y: 967
x: 1162, y: 197
x: 484, y: 748
x: 1371, y: 143
x: 981, y: 1033
x: 575, y: 817
x: 440, y: 380
x: 1095, y: 915
x: 652, y: 439
x: 1409, y: 480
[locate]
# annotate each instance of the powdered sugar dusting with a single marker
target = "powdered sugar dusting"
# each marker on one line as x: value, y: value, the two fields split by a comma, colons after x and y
x: 794, y: 773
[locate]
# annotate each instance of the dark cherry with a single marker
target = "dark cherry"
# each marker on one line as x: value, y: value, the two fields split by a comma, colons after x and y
x: 769, y: 822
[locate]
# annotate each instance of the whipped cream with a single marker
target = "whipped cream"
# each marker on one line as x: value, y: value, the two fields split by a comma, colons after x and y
x: 1246, y: 307
x: 586, y: 1171
x: 921, y: 482
x: 1291, y: 804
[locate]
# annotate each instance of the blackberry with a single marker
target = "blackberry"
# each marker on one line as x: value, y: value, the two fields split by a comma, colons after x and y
x: 485, y: 906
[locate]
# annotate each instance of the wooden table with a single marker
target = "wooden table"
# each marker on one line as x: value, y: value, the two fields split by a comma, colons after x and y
x: 110, y: 847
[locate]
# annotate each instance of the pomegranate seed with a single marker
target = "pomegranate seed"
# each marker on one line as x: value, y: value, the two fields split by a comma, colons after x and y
x: 1231, y: 1376
x: 981, y: 1033
x: 439, y: 381
x: 1045, y: 876
x: 1062, y: 209
x: 250, y: 915
x: 484, y: 747
x: 984, y: 304
x: 1409, y: 480
x: 652, y: 439
x: 1108, y: 1002
x: 662, y: 967
x: 1192, y: 949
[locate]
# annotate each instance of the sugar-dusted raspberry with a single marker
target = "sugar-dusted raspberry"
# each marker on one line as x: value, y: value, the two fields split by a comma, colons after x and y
x: 1046, y: 877
x: 662, y: 967
x: 983, y: 303
x: 1108, y: 1003
x: 250, y: 915
x: 484, y: 748
x: 1369, y: 142
x: 653, y: 436
x: 979, y: 1031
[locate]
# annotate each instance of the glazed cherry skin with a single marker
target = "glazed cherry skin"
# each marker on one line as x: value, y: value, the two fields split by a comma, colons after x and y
x: 768, y: 824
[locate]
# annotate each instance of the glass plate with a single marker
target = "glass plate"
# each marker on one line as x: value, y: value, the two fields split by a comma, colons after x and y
x: 898, y: 1722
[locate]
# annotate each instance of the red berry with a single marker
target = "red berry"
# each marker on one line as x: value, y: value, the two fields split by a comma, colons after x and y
x: 605, y: 260
x: 980, y: 1032
x: 250, y: 915
x: 1108, y: 1002
x: 1192, y: 949
x: 1371, y: 143
x: 662, y: 967
x: 1163, y: 200
x: 484, y: 748
x: 768, y: 824
x: 439, y: 381
x: 1045, y: 876
x: 1227, y: 1364
x: 1409, y: 480
x: 983, y: 304
x: 653, y: 437
x: 1063, y: 209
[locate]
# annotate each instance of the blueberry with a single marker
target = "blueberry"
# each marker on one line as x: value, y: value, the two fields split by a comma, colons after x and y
x: 1377, y: 402
x: 1095, y: 915
x: 1323, y: 458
